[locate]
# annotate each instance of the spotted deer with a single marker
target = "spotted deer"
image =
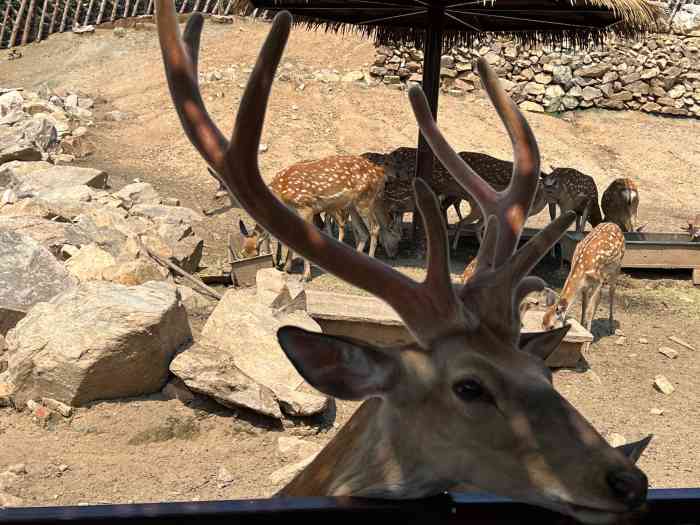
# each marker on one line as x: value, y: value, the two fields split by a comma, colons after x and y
x: 338, y: 186
x: 596, y: 261
x: 572, y: 190
x: 469, y: 401
x: 620, y: 203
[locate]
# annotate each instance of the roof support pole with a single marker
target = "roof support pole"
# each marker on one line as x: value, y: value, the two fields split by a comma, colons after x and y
x: 432, y: 54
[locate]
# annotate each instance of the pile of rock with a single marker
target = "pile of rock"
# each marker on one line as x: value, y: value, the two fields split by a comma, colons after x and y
x: 46, y: 125
x: 658, y: 75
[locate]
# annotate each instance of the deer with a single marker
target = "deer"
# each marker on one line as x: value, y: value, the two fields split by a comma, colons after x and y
x: 572, y: 190
x: 469, y: 400
x: 693, y: 227
x: 620, y: 202
x: 596, y: 260
x: 338, y: 186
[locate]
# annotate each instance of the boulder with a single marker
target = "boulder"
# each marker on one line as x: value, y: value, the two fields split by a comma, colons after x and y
x: 89, y: 263
x: 178, y: 243
x: 27, y: 208
x: 40, y: 132
x: 29, y: 274
x: 79, y: 147
x: 160, y: 213
x: 252, y: 347
x: 137, y: 193
x: 97, y: 341
x: 135, y: 272
x: 10, y: 101
x: 60, y: 176
x: 18, y: 150
x: 50, y: 234
x: 12, y: 171
x: 213, y: 372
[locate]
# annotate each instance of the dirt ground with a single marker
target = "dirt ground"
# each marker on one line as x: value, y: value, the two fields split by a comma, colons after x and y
x: 152, y: 449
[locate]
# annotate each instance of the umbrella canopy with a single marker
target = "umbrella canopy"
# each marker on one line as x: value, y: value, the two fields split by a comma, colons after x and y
x: 571, y: 22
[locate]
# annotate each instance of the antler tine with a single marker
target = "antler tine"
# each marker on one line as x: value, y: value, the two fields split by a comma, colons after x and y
x: 180, y: 57
x: 426, y: 315
x: 487, y: 250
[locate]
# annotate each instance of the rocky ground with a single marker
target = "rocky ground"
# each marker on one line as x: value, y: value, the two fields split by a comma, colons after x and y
x: 184, y: 443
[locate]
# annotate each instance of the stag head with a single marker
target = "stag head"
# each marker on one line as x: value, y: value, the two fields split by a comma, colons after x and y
x: 470, y: 401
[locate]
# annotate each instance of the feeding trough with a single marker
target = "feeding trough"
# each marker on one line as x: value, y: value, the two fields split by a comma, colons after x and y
x: 370, y: 319
x: 650, y: 251
x: 244, y: 269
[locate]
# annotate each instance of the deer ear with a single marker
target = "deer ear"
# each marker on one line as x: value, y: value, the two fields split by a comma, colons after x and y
x: 542, y: 344
x: 634, y: 450
x: 244, y: 230
x: 337, y: 366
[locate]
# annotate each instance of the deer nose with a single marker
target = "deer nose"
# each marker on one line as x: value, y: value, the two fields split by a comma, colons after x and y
x: 630, y: 486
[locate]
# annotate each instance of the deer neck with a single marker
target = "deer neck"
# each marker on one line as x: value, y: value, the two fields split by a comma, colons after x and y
x: 365, y: 459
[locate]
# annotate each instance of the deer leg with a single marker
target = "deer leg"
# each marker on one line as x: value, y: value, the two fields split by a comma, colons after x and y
x: 373, y: 233
x: 307, y: 215
x: 552, y: 216
x: 359, y: 228
x: 611, y: 292
x: 593, y: 300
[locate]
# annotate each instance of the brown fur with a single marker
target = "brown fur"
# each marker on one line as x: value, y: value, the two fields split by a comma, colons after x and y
x: 572, y: 190
x: 620, y: 203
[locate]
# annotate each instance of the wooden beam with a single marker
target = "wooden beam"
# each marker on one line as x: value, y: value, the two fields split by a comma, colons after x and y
x: 206, y: 6
x: 183, y: 6
x: 228, y: 7
x: 196, y: 6
x: 126, y: 9
x: 18, y: 20
x: 5, y: 18
x: 64, y: 18
x: 54, y: 15
x: 76, y: 16
x: 86, y: 21
x: 101, y: 12
x: 149, y: 9
x: 28, y: 22
x: 136, y: 6
x: 41, y: 21
x: 114, y: 10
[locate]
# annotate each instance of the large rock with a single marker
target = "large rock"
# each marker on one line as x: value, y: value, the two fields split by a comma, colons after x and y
x: 10, y: 101
x: 178, y: 243
x: 209, y: 370
x: 29, y: 274
x: 18, y: 150
x: 12, y: 171
x: 137, y: 193
x: 252, y: 347
x: 97, y: 341
x: 89, y: 263
x: 594, y: 71
x: 40, y: 132
x: 68, y: 202
x: 160, y: 213
x: 60, y: 176
x: 50, y: 234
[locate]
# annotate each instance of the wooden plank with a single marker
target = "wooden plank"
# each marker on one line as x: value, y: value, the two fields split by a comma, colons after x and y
x: 18, y: 20
x: 101, y: 12
x: 41, y: 21
x: 86, y: 21
x: 28, y: 22
x: 76, y: 15
x: 696, y: 276
x: 64, y: 18
x: 5, y: 18
x: 54, y: 16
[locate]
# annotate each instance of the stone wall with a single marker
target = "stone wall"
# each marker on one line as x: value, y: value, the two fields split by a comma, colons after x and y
x: 660, y: 74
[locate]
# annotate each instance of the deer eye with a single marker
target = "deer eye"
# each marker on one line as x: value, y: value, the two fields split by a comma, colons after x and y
x: 471, y: 390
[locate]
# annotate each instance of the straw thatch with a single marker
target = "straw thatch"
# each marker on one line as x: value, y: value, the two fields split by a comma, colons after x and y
x: 573, y: 23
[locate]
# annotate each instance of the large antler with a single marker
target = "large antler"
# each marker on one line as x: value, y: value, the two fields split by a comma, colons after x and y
x: 501, y: 278
x: 430, y: 309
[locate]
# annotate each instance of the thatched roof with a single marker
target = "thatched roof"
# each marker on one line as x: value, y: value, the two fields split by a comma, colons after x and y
x: 576, y: 23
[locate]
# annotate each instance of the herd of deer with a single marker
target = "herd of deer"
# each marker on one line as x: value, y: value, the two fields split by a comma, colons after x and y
x: 470, y: 401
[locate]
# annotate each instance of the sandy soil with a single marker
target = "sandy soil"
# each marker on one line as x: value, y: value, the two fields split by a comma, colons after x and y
x: 152, y: 449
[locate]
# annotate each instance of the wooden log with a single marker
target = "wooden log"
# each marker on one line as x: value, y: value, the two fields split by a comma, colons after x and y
x: 101, y: 12
x: 136, y: 7
x: 76, y: 16
x: 114, y: 10
x: 149, y: 9
x: 18, y: 20
x: 126, y: 9
x: 41, y: 21
x: 183, y: 6
x: 206, y: 6
x: 64, y: 18
x: 196, y: 6
x: 86, y: 21
x: 28, y: 22
x: 5, y: 18
x: 228, y: 7
x: 54, y: 16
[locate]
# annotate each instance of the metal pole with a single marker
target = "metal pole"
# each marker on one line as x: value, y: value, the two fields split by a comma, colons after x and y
x: 431, y: 87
